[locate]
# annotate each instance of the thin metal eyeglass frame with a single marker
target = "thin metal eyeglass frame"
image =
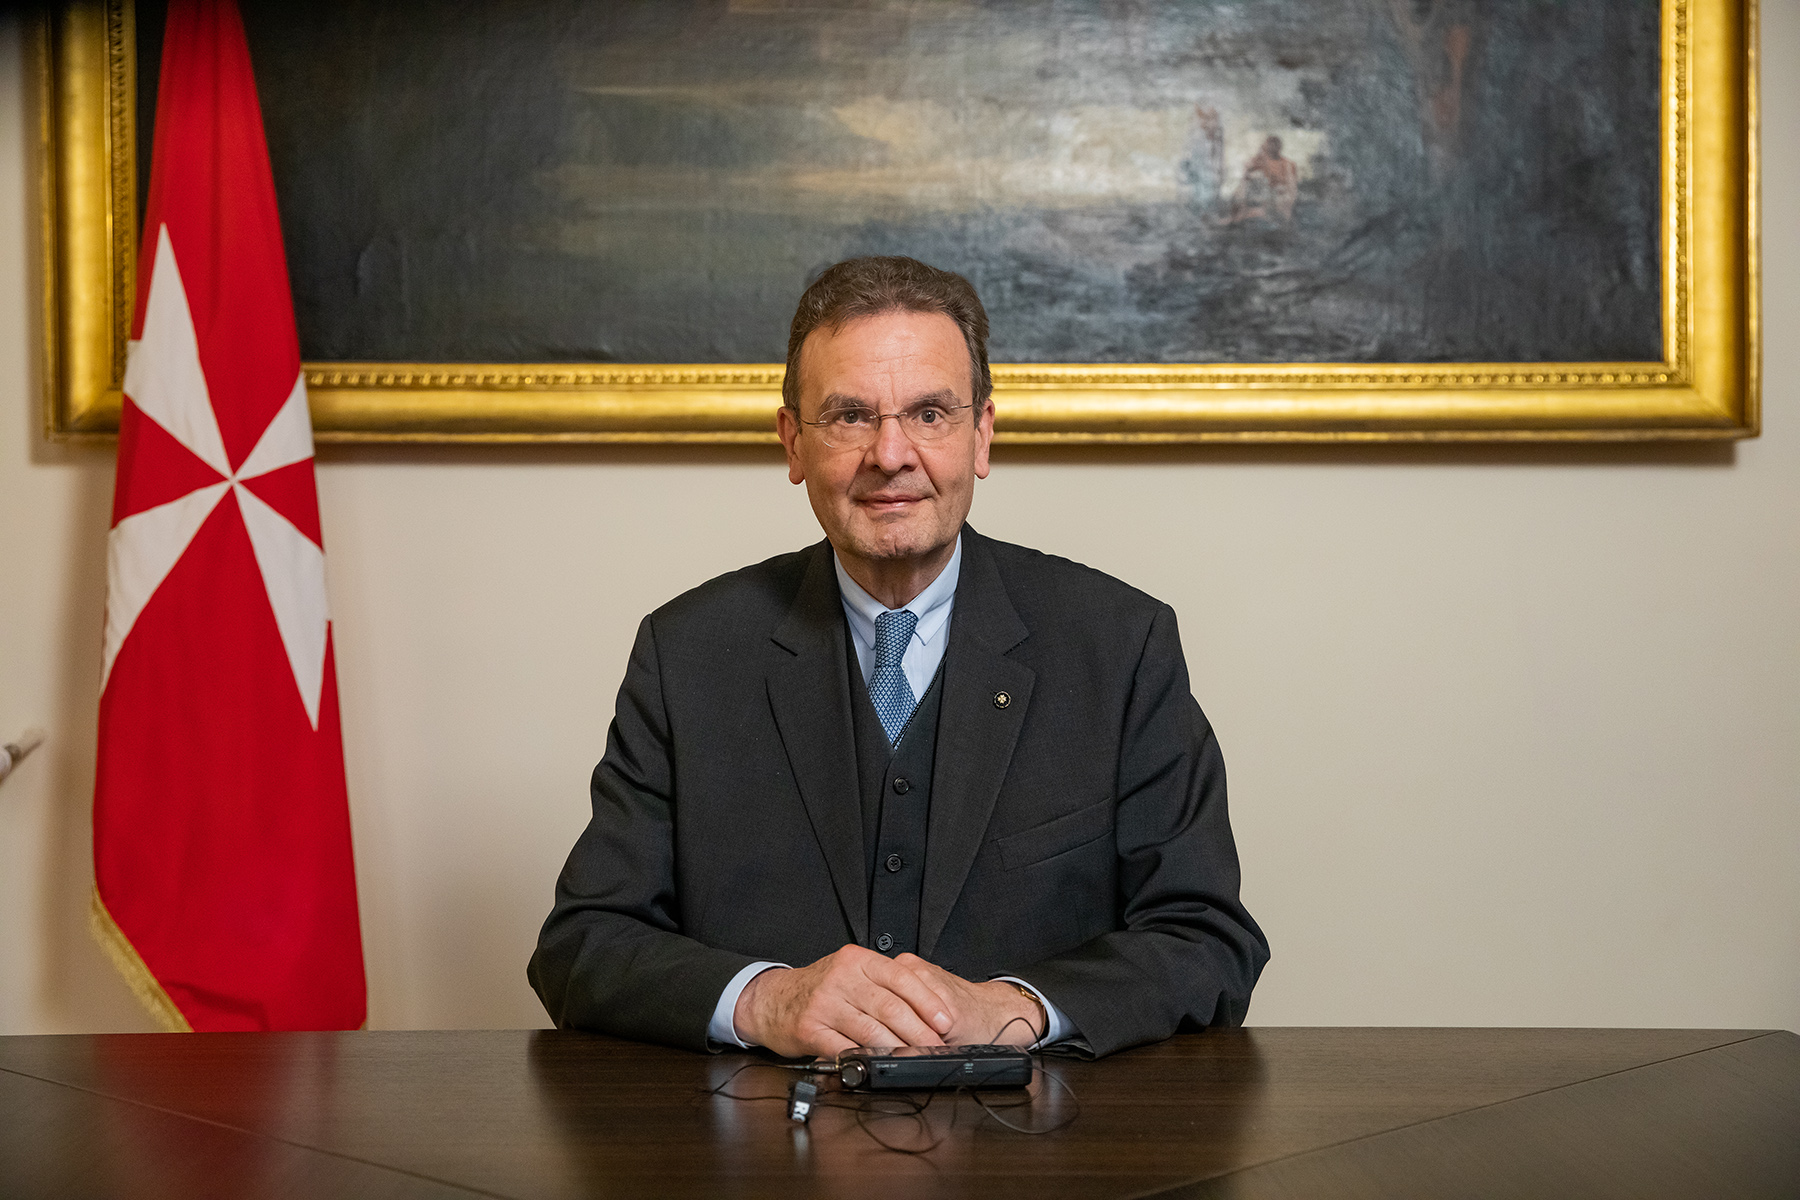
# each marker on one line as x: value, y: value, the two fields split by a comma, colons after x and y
x: 950, y: 423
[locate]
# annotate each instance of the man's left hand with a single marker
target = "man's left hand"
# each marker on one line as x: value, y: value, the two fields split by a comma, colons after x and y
x: 992, y: 1012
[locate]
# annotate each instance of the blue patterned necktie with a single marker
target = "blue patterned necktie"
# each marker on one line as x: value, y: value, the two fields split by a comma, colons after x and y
x: 893, y: 696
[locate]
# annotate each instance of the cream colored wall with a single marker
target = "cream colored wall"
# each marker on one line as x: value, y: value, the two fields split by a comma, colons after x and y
x: 1514, y: 735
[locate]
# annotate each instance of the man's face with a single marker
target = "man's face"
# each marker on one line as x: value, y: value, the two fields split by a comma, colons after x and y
x: 894, y: 499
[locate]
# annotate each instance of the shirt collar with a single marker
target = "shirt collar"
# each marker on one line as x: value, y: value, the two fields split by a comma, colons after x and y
x: 932, y: 606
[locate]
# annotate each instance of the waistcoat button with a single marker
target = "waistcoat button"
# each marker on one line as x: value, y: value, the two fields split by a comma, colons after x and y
x: 884, y: 942
x: 901, y: 787
x: 894, y: 863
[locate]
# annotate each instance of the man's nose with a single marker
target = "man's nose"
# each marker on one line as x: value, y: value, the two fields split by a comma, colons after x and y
x: 892, y: 450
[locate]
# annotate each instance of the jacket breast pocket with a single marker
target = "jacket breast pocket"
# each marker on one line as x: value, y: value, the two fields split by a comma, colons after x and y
x: 1059, y: 836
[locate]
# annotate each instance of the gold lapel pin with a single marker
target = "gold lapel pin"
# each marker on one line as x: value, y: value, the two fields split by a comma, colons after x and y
x: 1002, y: 699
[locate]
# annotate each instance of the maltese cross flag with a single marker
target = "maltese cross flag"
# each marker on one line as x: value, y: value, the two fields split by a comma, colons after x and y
x: 223, y: 881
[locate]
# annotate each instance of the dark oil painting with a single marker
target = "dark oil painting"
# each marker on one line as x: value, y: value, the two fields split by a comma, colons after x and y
x: 1255, y: 181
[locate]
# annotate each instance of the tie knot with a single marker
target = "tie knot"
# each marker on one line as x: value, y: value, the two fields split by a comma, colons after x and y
x: 892, y: 631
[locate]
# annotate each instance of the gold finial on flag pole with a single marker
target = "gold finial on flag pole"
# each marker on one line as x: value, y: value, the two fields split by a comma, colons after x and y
x: 12, y: 752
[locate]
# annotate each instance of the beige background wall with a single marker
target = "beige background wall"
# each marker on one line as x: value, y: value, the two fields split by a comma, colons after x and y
x: 1514, y: 735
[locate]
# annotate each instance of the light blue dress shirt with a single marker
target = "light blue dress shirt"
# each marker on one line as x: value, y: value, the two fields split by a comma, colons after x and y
x: 931, y: 636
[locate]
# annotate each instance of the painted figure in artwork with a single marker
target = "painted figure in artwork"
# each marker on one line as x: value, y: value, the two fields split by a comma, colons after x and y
x: 1203, y: 167
x: 1269, y: 189
x: 1438, y: 38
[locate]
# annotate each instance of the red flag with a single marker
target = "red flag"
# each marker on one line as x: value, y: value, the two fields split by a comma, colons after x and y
x: 224, y: 885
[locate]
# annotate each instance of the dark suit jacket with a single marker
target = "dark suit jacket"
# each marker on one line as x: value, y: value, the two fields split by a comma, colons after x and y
x: 1077, y: 838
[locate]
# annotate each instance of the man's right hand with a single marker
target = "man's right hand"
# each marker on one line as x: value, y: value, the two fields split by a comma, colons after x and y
x: 851, y: 997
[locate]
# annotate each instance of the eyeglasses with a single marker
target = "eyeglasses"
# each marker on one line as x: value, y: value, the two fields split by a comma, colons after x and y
x: 855, y: 428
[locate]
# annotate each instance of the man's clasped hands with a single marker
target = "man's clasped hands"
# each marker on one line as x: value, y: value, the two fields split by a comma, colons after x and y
x: 856, y: 997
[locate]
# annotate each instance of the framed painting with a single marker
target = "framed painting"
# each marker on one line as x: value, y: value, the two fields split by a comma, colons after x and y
x: 1301, y: 220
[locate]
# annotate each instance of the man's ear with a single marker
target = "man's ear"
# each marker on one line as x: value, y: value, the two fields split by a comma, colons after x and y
x: 984, y: 438
x: 787, y: 427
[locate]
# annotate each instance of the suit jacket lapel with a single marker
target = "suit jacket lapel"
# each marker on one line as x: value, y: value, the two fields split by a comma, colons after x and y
x: 976, y: 733
x: 810, y: 696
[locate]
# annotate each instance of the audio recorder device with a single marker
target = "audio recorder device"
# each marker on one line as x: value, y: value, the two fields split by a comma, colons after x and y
x: 918, y: 1068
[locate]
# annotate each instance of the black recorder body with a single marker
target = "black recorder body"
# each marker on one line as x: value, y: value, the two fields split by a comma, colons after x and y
x: 917, y: 1068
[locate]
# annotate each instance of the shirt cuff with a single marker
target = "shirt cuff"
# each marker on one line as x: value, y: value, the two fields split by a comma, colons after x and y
x: 1060, y: 1028
x: 723, y: 1028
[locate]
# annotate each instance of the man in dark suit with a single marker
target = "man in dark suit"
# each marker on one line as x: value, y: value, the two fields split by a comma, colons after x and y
x: 909, y: 786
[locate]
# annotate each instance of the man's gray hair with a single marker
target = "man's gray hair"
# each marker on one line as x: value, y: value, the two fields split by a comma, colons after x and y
x: 865, y: 287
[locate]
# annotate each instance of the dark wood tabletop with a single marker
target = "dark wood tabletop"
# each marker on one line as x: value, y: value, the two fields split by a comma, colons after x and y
x: 1244, y: 1113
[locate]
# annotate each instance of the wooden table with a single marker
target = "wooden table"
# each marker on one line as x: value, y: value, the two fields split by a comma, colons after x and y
x: 1244, y: 1113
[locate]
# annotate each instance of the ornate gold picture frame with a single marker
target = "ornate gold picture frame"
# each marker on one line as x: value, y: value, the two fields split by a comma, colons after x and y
x: 1704, y: 386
